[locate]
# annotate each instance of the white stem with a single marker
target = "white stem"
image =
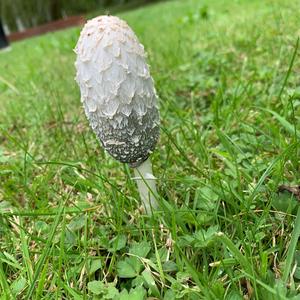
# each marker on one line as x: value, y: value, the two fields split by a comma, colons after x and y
x: 146, y: 185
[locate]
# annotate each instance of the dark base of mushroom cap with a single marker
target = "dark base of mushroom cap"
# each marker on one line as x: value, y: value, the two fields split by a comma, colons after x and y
x: 128, y: 139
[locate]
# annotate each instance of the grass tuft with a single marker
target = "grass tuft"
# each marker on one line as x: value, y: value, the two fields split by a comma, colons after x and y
x: 70, y: 221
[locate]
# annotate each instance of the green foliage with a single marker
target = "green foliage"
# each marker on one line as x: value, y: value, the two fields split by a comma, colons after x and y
x: 70, y: 225
x: 19, y: 14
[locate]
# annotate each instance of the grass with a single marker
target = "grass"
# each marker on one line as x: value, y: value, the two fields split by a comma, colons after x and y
x: 70, y: 225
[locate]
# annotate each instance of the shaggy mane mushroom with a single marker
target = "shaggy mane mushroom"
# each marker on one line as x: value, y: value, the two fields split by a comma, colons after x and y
x: 118, y: 96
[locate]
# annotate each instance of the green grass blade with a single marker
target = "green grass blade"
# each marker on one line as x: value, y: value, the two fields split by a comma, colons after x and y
x: 289, y: 69
x: 4, y: 283
x: 46, y: 251
x: 236, y: 252
x: 292, y: 248
x: 290, y: 128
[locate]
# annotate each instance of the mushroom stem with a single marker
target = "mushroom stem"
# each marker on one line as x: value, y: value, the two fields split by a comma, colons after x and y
x: 146, y: 185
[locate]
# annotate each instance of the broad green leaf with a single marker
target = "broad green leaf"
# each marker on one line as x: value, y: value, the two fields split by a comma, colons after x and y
x: 170, y: 266
x: 110, y: 292
x: 77, y: 223
x: 138, y: 293
x: 169, y: 295
x: 140, y: 249
x: 151, y: 283
x: 205, y: 238
x: 123, y: 295
x: 95, y: 264
x: 137, y: 281
x: 18, y: 285
x: 117, y: 243
x: 96, y: 287
x: 129, y: 268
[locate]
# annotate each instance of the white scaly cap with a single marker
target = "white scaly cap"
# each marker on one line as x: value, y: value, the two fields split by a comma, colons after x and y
x: 117, y: 90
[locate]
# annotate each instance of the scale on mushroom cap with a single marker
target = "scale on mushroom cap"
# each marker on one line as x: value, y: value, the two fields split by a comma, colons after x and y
x: 119, y: 97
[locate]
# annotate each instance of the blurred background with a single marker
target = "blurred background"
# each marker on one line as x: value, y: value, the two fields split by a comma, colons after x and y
x: 18, y: 15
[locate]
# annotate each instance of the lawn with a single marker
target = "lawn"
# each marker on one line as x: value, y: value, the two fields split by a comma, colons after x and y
x: 227, y: 75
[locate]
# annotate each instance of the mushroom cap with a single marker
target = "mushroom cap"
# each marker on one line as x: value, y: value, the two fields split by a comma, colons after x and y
x: 117, y: 90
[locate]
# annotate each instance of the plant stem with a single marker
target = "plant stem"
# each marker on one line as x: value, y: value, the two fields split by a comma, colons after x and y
x: 146, y: 185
